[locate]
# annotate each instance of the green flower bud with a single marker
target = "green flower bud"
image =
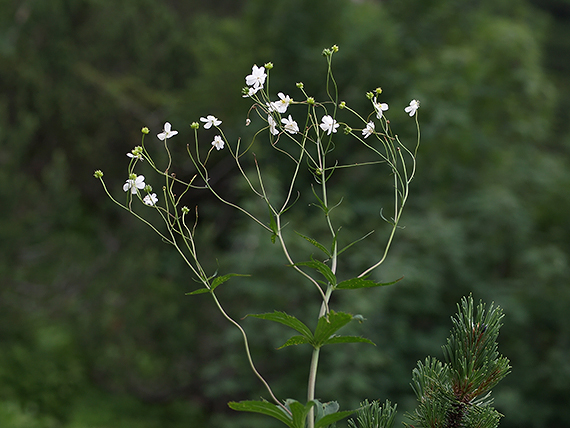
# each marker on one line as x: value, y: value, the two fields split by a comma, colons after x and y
x: 347, y: 130
x: 369, y: 95
x: 185, y: 210
x: 148, y: 188
x: 334, y: 48
x: 300, y: 85
x: 311, y: 100
x: 145, y: 130
x: 342, y: 105
x: 268, y: 66
x: 378, y: 90
x: 194, y: 125
x: 98, y: 174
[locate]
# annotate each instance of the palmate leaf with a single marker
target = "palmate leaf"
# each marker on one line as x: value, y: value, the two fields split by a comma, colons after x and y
x: 354, y: 283
x: 328, y: 325
x: 288, y: 320
x: 265, y: 408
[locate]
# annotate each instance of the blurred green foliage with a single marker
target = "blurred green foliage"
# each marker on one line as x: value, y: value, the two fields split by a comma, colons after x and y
x: 94, y: 325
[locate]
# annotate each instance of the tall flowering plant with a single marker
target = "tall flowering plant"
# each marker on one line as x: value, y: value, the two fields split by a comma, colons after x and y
x: 304, y: 131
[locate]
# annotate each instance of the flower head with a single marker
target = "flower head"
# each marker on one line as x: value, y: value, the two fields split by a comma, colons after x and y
x: 150, y: 199
x: 167, y: 132
x: 133, y: 183
x: 283, y: 102
x: 369, y: 130
x: 411, y: 109
x: 256, y: 78
x: 379, y: 107
x: 218, y: 143
x: 290, y: 125
x: 136, y: 153
x: 209, y: 121
x: 329, y: 124
x: 272, y: 125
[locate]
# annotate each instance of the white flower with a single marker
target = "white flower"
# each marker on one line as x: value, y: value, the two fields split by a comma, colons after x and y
x: 369, y: 130
x: 283, y: 102
x: 150, y: 199
x: 135, y: 156
x: 411, y: 109
x: 290, y: 125
x: 167, y: 133
x: 272, y: 125
x: 256, y: 78
x: 271, y: 107
x: 380, y: 108
x: 132, y: 184
x: 248, y: 92
x: 329, y: 124
x: 209, y: 121
x: 218, y: 143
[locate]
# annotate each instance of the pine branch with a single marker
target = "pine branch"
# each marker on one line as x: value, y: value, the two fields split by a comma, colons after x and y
x: 456, y: 393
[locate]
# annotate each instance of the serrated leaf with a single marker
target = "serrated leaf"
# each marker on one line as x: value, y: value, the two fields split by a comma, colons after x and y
x: 295, y: 340
x: 199, y: 291
x: 328, y: 325
x: 221, y: 279
x: 288, y: 320
x: 354, y: 283
x: 322, y: 268
x: 265, y: 408
x: 315, y: 243
x: 347, y: 339
x: 332, y: 418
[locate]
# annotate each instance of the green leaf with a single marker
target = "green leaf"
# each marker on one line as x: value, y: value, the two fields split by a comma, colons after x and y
x: 288, y: 320
x: 217, y: 281
x: 315, y: 243
x: 354, y: 283
x: 299, y: 412
x: 328, y: 325
x: 273, y: 226
x: 332, y: 418
x: 322, y: 268
x: 347, y: 339
x: 263, y: 407
x: 355, y: 242
x: 199, y: 291
x: 221, y: 279
x: 295, y: 340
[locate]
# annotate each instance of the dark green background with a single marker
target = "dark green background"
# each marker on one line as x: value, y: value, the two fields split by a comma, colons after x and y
x: 95, y: 329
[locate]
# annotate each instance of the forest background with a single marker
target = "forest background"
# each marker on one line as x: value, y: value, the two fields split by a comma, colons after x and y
x: 95, y: 327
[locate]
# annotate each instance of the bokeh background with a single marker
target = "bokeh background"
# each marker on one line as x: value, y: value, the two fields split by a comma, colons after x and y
x: 95, y: 328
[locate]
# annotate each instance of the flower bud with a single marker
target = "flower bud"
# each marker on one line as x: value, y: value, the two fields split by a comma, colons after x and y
x: 268, y: 66
x: 98, y: 174
x: 145, y: 130
x: 194, y: 125
x: 185, y: 210
x: 300, y: 85
x: 342, y: 105
x: 311, y: 101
